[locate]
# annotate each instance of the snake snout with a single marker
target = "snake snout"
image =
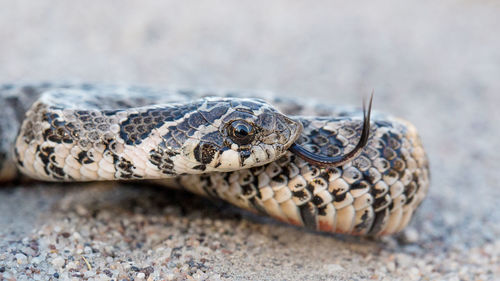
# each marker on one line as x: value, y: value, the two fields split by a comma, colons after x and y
x: 291, y: 132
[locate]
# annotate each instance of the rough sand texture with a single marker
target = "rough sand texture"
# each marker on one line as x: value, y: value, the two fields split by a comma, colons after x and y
x: 436, y: 63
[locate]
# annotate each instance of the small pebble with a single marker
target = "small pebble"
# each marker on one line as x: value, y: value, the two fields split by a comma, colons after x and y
x: 87, y: 250
x: 80, y: 210
x: 411, y: 235
x: 58, y: 262
x: 77, y: 236
x: 36, y: 260
x: 72, y: 265
x: 21, y: 259
x: 414, y: 273
x: 170, y: 276
x: 391, y: 266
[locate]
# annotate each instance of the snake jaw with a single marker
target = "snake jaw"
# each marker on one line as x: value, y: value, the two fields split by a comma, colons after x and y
x: 327, y: 161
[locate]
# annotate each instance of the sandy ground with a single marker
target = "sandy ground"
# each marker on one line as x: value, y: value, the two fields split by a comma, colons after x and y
x: 436, y: 63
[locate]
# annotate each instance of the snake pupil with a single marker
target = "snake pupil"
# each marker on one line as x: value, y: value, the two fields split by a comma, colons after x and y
x: 241, y: 132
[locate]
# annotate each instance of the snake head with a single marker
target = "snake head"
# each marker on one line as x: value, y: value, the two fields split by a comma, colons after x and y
x: 238, y: 133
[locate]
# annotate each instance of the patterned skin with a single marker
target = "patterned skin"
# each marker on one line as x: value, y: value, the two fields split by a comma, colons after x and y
x: 375, y: 194
x: 111, y: 140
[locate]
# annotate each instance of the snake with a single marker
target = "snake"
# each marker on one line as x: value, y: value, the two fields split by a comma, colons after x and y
x: 329, y: 168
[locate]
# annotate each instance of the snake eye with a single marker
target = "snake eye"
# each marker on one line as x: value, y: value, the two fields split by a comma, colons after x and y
x: 241, y: 132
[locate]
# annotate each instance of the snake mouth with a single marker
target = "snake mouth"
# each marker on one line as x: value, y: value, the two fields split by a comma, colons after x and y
x: 326, y: 161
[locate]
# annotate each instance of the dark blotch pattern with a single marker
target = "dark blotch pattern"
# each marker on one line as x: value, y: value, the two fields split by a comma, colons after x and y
x: 161, y: 158
x: 205, y: 152
x: 139, y: 126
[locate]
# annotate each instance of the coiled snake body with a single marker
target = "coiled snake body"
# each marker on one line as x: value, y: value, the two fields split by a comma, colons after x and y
x: 226, y: 147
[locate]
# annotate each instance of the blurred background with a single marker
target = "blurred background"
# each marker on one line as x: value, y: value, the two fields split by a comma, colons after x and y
x: 435, y: 63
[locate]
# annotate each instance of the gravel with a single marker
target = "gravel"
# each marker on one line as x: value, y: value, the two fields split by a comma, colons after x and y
x: 434, y: 63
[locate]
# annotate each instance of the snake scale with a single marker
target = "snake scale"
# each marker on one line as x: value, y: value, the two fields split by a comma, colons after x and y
x: 233, y: 146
